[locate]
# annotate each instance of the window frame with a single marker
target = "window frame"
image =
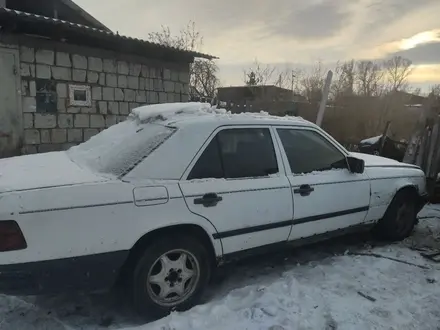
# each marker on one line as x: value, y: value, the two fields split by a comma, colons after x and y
x: 321, y: 133
x: 273, y: 136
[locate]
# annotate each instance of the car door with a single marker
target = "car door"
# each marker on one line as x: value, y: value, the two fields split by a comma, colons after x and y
x: 237, y: 182
x: 327, y: 196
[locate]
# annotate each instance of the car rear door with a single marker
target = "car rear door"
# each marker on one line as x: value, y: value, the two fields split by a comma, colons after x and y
x: 237, y: 182
x: 327, y: 196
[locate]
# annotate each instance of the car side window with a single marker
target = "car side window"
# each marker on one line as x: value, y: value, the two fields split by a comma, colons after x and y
x: 237, y: 153
x: 308, y: 151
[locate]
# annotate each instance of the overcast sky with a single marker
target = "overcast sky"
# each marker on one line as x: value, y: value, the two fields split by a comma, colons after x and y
x: 293, y: 32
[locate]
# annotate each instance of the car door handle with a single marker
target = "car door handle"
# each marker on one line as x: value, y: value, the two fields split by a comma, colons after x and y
x: 304, y: 190
x: 208, y: 200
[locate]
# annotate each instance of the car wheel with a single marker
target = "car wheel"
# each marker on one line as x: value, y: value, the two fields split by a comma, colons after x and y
x: 171, y: 275
x: 399, y: 219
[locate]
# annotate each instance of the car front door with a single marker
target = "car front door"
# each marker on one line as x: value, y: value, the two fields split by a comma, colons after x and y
x: 327, y: 195
x: 237, y: 182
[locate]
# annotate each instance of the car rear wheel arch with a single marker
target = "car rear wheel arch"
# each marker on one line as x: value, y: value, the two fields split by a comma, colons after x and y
x: 146, y: 240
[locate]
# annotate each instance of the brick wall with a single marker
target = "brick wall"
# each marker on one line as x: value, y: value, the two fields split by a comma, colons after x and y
x: 117, y: 86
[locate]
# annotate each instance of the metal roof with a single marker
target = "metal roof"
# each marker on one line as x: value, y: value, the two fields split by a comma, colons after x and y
x: 23, y: 22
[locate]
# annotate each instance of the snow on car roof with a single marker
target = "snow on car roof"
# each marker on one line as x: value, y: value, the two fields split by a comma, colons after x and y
x: 194, y: 112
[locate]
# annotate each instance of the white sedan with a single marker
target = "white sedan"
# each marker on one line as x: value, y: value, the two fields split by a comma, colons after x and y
x: 158, y: 201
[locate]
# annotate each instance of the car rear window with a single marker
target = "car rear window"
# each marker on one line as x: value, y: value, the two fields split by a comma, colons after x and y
x: 118, y: 149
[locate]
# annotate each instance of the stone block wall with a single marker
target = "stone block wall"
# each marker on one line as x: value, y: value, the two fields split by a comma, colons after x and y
x: 117, y: 86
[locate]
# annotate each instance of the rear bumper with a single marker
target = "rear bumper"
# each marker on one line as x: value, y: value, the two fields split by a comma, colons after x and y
x: 85, y: 273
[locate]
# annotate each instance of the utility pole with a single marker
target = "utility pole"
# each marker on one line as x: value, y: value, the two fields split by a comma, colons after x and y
x: 323, y: 103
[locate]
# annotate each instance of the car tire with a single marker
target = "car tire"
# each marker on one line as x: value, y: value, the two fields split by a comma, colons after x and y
x: 399, y: 219
x: 172, y: 274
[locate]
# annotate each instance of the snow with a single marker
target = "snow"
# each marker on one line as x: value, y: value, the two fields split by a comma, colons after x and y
x: 41, y: 170
x: 375, y: 160
x: 372, y: 140
x: 327, y: 286
x: 190, y: 110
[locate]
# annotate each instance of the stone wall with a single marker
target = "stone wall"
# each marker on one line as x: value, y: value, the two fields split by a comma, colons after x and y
x: 117, y: 85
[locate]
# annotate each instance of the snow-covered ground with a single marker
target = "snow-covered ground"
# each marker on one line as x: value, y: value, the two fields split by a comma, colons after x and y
x: 343, y: 284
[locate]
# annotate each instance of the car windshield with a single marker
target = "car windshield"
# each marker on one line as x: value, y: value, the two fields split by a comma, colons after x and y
x: 119, y: 148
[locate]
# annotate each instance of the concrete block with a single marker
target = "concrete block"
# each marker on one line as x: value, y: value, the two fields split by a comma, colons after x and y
x: 123, y: 108
x: 95, y: 64
x: 29, y: 104
x: 109, y: 66
x: 184, y: 77
x: 65, y: 121
x: 45, y: 120
x: 153, y: 73
x: 129, y: 95
x: 79, y: 62
x: 89, y: 132
x: 28, y: 120
x: 170, y: 97
x: 153, y: 97
x: 167, y: 74
x: 101, y: 80
x: 133, y: 105
x: 97, y: 121
x: 44, y: 56
x: 133, y: 82
x: 145, y: 71
x: 119, y: 94
x: 96, y: 93
x: 25, y: 70
x: 42, y: 148
x: 27, y: 54
x: 60, y: 73
x: 113, y: 108
x: 73, y: 109
x: 74, y: 135
x: 177, y: 97
x: 92, y: 77
x: 31, y: 136
x: 162, y: 97
x: 110, y: 120
x: 63, y: 59
x: 61, y: 105
x: 43, y: 71
x: 62, y: 90
x: 32, y: 88
x: 59, y: 135
x: 45, y: 136
x: 24, y: 88
x: 168, y: 86
x: 123, y: 68
x: 158, y: 85
x: 67, y: 146
x: 121, y: 119
x: 79, y: 75
x: 88, y: 109
x: 108, y: 94
x: 112, y: 80
x: 102, y: 107
x: 82, y: 121
x: 142, y: 84
x: 29, y: 150
x: 135, y: 69
x: 122, y: 82
x: 174, y: 75
x: 141, y: 97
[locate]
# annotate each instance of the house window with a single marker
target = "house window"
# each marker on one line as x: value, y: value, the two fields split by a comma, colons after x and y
x: 80, y: 96
x: 46, y: 96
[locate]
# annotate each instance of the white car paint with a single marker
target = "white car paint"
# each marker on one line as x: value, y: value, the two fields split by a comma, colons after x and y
x: 83, y: 213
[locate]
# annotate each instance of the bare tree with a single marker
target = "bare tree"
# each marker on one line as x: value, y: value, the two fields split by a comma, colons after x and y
x: 369, y: 77
x: 203, y: 73
x: 397, y: 70
x: 258, y: 74
x: 312, y: 83
x: 343, y: 85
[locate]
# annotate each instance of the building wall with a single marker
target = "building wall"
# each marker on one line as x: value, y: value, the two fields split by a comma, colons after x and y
x: 118, y: 84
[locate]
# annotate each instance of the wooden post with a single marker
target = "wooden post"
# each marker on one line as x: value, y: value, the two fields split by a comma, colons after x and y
x: 323, y: 103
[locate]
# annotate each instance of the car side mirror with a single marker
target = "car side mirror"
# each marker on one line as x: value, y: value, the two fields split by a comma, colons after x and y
x: 356, y: 165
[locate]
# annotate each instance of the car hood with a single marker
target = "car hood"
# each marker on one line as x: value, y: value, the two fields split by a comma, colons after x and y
x: 42, y: 171
x: 371, y: 160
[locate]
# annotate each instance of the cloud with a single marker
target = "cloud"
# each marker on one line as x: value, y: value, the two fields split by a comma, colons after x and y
x: 422, y: 54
